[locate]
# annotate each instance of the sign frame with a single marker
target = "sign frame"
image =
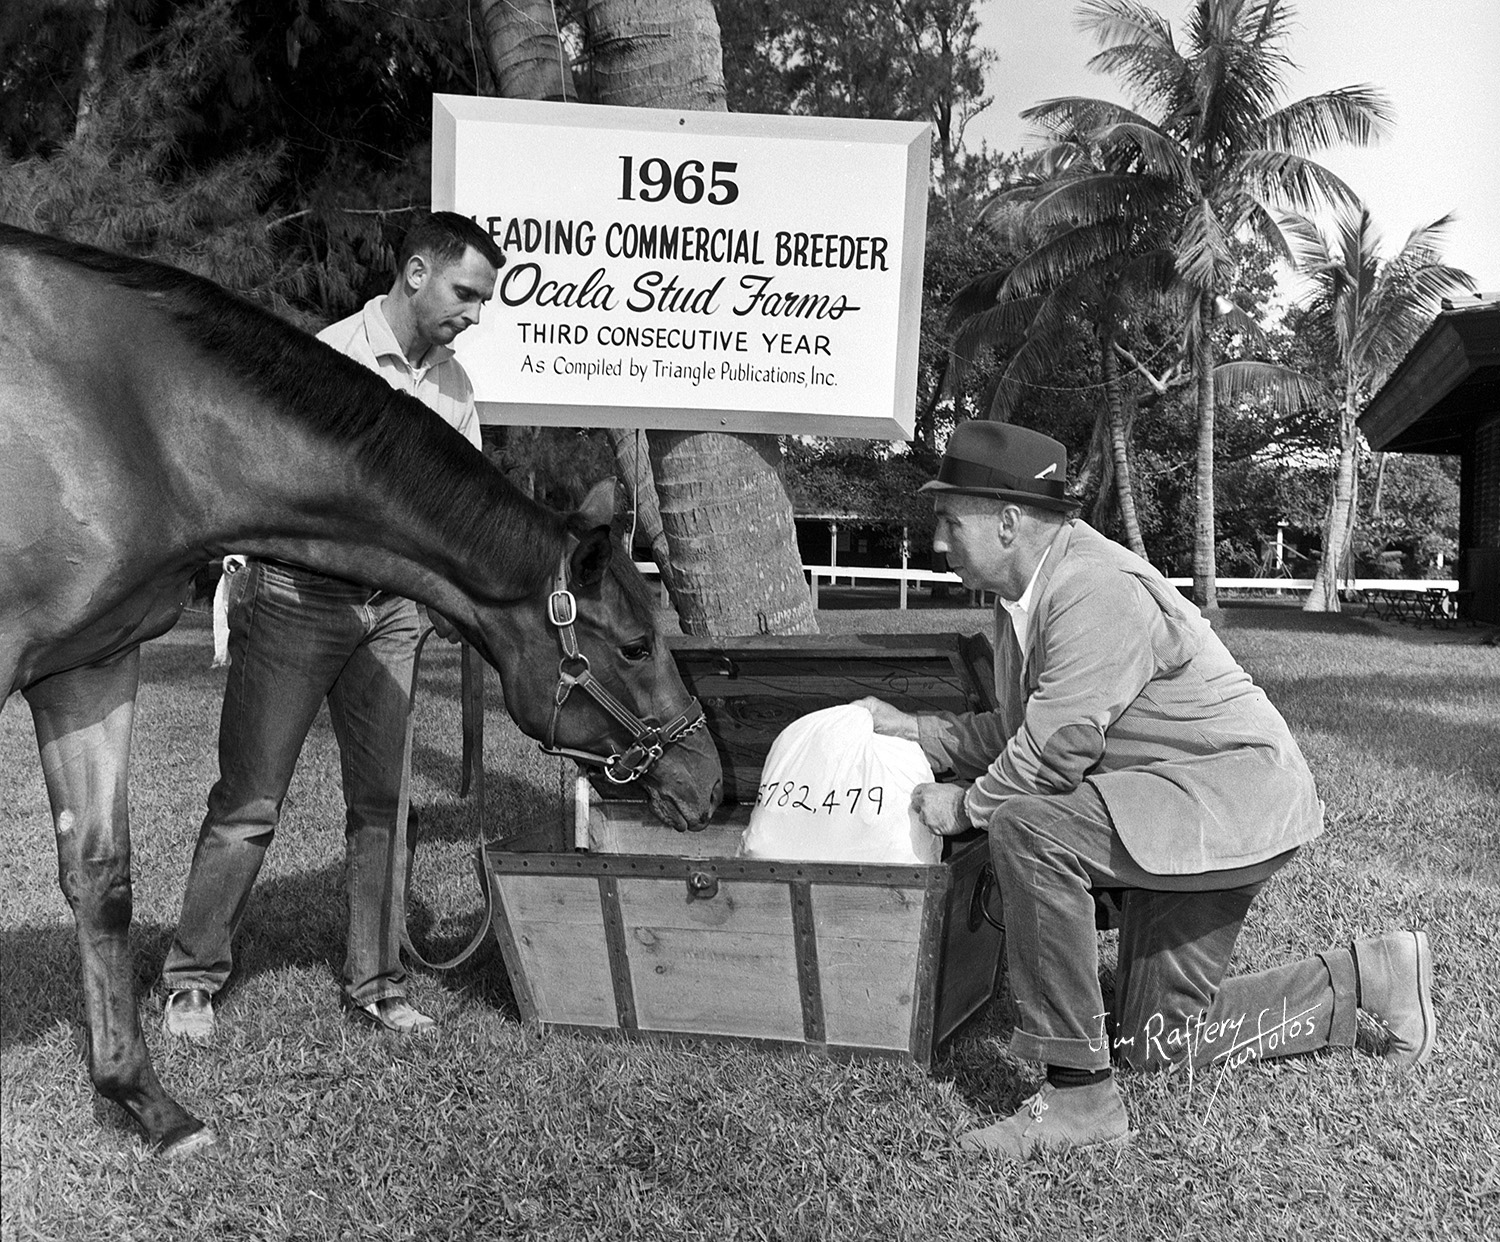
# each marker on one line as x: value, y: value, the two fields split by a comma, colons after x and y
x: 893, y: 414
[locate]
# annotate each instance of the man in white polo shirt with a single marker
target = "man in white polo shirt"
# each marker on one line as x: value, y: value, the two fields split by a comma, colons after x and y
x: 296, y: 638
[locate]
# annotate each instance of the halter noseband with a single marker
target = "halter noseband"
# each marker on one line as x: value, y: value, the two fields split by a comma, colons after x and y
x: 648, y: 739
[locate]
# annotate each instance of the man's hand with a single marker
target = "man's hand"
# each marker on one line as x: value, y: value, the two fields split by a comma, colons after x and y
x: 940, y: 809
x: 890, y: 721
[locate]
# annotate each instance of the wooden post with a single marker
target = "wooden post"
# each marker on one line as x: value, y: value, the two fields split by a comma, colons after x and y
x: 905, y: 557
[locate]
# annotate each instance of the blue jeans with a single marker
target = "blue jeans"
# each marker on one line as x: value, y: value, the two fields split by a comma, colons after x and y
x: 1172, y: 1003
x: 296, y: 638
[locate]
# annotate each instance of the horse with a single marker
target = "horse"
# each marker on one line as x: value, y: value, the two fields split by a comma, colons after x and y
x: 150, y: 423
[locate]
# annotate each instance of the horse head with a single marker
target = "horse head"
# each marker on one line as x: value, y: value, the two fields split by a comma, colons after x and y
x: 590, y: 675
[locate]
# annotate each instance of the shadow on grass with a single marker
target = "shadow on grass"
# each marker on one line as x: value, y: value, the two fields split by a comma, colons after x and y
x: 293, y: 921
x: 1251, y: 616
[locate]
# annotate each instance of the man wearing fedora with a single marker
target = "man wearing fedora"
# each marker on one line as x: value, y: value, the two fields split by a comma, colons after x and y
x: 1129, y: 756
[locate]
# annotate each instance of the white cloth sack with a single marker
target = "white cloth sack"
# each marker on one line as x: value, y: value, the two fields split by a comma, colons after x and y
x: 834, y: 790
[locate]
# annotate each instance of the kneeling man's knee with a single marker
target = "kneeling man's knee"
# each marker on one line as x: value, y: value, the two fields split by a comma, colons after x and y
x: 1018, y: 835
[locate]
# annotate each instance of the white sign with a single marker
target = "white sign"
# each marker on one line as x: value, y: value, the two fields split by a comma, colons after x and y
x: 692, y: 270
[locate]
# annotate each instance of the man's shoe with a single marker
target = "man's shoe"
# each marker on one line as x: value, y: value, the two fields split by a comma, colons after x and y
x: 395, y: 1014
x: 189, y: 1014
x: 1395, y: 988
x: 1056, y: 1119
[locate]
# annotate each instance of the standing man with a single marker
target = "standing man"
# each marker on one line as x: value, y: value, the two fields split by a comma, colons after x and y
x: 1129, y: 754
x: 297, y: 638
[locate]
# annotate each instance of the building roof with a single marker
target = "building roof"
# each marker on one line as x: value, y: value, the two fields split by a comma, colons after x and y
x: 1448, y: 381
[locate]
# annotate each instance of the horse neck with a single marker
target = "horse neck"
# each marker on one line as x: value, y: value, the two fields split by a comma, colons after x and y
x: 470, y: 542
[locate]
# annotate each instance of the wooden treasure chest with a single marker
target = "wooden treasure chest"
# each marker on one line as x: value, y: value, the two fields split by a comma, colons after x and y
x: 634, y: 928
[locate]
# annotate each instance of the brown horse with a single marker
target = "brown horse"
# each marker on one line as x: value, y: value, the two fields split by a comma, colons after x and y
x: 151, y: 422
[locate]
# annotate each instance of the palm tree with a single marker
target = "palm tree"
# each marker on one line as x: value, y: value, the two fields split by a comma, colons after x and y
x: 1373, y: 311
x: 1098, y: 273
x: 1220, y: 159
x: 713, y: 506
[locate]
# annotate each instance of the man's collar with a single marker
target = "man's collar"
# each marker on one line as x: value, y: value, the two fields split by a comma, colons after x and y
x: 1024, y: 603
x: 384, y: 343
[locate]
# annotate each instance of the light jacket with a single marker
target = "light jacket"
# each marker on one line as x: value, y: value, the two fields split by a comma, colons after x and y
x: 1126, y: 686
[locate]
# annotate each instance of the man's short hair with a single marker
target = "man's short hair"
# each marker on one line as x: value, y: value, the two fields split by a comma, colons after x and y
x: 994, y: 504
x: 443, y: 236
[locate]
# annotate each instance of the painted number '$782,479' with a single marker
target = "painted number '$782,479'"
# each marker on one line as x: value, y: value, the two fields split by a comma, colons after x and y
x: 789, y: 794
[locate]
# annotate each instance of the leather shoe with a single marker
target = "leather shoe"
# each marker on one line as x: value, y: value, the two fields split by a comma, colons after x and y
x: 1056, y: 1119
x: 189, y: 1014
x: 1395, y: 988
x: 396, y: 1014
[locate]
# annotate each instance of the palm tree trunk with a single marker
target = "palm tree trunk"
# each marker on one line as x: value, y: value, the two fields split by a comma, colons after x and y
x: 97, y: 21
x: 1338, y: 525
x: 1119, y: 432
x: 729, y: 524
x: 525, y: 52
x: 724, y: 506
x: 527, y: 61
x: 1205, y: 591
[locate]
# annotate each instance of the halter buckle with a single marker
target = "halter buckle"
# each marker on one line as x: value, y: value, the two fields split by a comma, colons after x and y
x: 562, y: 608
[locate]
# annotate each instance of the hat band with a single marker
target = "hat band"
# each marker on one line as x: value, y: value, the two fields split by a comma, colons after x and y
x: 958, y: 473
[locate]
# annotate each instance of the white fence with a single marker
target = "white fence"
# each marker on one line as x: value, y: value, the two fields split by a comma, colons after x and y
x: 854, y: 574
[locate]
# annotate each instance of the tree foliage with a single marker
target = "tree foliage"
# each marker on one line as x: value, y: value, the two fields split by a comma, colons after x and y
x: 275, y: 146
x: 890, y: 59
x: 1214, y: 156
x: 1367, y: 311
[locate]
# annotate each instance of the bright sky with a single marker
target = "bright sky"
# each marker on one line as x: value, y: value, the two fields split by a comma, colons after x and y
x: 1438, y: 61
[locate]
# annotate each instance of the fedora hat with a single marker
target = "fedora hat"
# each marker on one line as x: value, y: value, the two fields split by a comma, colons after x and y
x: 1005, y: 462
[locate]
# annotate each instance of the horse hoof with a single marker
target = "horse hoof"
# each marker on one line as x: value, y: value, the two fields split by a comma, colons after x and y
x: 189, y: 1144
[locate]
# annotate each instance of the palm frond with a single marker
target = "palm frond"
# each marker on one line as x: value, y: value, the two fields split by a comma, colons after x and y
x: 1358, y: 115
x: 1287, y: 390
x: 1203, y: 248
x: 1145, y: 148
x: 1036, y: 356
x: 1245, y: 325
x: 1295, y: 180
x: 1289, y: 234
x: 1152, y: 271
x: 1122, y: 21
x: 978, y: 295
x: 1063, y: 257
x: 1097, y: 198
x: 994, y: 327
x: 1376, y: 309
x: 1078, y: 114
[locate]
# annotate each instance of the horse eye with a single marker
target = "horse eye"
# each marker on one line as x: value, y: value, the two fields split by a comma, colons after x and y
x: 637, y: 651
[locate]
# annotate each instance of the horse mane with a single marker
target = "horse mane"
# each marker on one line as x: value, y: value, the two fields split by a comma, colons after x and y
x: 419, y: 459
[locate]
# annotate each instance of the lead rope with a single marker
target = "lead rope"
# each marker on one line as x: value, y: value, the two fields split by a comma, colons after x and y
x: 403, y: 860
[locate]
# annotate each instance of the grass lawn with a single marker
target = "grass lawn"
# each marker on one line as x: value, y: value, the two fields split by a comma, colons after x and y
x: 329, y: 1129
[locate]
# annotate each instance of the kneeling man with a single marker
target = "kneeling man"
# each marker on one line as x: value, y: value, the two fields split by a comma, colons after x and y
x: 1131, y: 755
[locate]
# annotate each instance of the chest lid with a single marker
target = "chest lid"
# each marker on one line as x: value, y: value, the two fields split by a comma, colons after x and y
x: 752, y: 688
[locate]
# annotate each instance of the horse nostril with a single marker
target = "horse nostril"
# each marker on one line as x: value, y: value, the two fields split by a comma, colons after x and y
x: 716, y: 795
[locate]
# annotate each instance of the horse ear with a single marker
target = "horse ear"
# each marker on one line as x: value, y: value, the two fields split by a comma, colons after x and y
x: 591, y: 557
x: 601, y: 504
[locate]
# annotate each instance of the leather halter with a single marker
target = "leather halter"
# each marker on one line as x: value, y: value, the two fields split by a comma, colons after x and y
x: 648, y: 738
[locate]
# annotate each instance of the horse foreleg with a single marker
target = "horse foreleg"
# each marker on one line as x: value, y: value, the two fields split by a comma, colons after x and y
x: 83, y: 724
